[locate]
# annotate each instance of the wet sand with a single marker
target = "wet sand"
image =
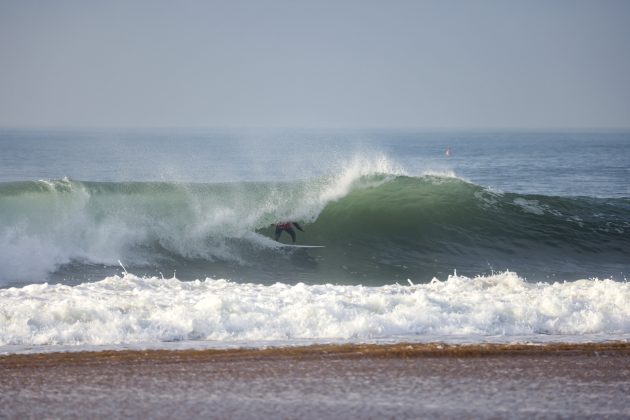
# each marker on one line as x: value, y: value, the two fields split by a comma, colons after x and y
x: 324, y: 381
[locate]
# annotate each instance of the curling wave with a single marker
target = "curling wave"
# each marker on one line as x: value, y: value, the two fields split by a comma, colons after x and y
x: 378, y: 226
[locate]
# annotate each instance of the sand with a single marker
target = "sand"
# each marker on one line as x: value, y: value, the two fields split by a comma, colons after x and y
x: 324, y: 381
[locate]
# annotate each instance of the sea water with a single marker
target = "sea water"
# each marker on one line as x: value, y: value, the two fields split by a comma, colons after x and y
x: 121, y: 237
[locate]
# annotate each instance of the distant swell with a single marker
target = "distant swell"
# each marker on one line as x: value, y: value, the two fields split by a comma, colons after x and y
x: 378, y: 225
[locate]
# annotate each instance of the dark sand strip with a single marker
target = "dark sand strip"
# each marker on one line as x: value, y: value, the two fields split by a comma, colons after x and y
x: 324, y: 381
x: 323, y: 351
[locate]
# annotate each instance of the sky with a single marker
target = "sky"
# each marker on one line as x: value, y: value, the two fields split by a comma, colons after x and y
x: 447, y: 64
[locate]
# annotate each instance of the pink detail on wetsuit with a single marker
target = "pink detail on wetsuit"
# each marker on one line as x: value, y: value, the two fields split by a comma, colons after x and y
x: 284, y: 225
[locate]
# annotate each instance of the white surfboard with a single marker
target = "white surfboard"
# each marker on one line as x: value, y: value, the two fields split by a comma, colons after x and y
x: 302, y: 246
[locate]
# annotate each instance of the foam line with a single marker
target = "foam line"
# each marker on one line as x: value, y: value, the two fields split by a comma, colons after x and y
x: 131, y: 309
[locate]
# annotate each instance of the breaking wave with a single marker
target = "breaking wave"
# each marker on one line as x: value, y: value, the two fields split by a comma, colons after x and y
x: 378, y: 225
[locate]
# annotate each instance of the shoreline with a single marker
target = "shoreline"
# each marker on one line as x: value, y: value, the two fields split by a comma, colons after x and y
x: 324, y: 351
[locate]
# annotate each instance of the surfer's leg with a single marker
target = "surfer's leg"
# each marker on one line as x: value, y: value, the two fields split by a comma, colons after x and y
x: 292, y: 233
x: 278, y: 232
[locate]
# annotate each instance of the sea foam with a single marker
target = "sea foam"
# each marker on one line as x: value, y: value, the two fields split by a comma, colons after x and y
x: 130, y: 309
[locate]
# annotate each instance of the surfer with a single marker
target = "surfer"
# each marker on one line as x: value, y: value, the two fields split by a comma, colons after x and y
x: 287, y: 227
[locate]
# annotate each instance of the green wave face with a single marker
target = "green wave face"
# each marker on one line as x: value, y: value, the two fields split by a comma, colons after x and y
x: 377, y: 229
x: 435, y: 225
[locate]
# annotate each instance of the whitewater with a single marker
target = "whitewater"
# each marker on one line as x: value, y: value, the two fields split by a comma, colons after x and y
x: 487, y: 244
x: 131, y: 310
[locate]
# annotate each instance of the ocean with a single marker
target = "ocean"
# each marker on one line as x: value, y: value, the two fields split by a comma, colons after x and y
x: 164, y: 238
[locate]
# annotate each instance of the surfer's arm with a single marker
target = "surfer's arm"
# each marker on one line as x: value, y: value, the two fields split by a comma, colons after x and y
x: 298, y: 226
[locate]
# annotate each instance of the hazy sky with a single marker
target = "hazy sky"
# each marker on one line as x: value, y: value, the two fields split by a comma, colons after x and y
x: 408, y: 64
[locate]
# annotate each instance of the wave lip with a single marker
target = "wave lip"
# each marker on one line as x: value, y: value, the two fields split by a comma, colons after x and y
x: 132, y: 309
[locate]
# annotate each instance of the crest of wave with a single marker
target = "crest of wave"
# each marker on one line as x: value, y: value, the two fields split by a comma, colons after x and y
x: 338, y: 184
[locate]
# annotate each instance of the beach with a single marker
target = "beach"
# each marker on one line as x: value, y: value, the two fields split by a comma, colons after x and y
x: 403, y: 380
